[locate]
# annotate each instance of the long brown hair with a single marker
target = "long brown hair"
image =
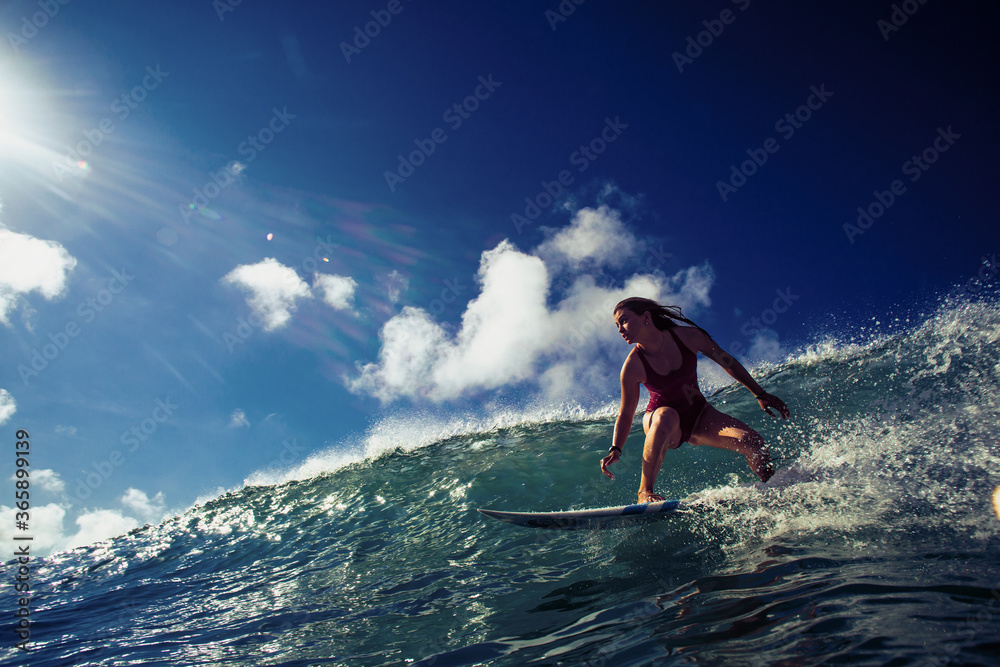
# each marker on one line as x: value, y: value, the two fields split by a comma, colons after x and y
x: 664, y: 317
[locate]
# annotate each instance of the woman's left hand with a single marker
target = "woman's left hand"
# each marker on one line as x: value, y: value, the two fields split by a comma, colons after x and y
x: 767, y: 401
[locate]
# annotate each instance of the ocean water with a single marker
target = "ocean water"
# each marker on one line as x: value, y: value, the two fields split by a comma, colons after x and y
x: 874, y: 544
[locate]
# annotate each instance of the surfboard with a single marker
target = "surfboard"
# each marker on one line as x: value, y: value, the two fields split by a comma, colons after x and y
x: 593, y: 518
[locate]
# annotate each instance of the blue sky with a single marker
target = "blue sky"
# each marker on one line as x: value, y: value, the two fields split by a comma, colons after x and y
x: 240, y: 239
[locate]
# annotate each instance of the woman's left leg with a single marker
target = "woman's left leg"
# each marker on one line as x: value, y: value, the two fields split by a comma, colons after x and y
x: 717, y: 429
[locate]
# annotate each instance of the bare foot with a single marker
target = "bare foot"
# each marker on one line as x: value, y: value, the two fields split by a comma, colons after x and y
x: 762, y: 465
x: 649, y: 497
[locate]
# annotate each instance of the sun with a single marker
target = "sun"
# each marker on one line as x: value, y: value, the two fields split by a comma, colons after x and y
x: 28, y: 122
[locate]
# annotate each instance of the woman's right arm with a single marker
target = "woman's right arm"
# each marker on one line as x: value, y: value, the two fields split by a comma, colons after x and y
x: 626, y: 415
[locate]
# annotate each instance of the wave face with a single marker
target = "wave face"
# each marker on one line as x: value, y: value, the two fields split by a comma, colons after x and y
x: 874, y: 543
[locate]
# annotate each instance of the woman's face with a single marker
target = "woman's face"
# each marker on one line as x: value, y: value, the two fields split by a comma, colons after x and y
x: 628, y: 324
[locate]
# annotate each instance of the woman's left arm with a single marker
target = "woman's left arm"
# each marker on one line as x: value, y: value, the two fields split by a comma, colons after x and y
x: 703, y: 343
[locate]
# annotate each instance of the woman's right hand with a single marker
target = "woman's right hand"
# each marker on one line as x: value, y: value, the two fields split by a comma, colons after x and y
x: 612, y: 456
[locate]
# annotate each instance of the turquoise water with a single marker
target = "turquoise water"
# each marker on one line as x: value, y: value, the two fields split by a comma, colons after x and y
x: 873, y: 544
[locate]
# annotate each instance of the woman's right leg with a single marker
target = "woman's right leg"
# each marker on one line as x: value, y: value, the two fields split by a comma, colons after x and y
x: 663, y: 432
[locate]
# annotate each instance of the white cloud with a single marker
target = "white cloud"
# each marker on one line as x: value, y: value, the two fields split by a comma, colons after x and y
x: 46, y: 527
x: 92, y: 526
x: 503, y: 329
x: 411, y: 346
x: 48, y: 480
x: 691, y: 286
x: 28, y: 264
x: 766, y: 347
x: 497, y: 343
x: 394, y: 284
x: 336, y: 291
x: 509, y: 334
x: 48, y: 531
x: 238, y: 419
x: 65, y: 430
x: 97, y: 526
x: 594, y: 235
x: 274, y: 289
x: 8, y: 406
x: 150, y: 510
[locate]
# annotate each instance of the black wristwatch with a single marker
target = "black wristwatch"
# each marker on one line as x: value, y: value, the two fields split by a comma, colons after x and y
x: 613, y: 448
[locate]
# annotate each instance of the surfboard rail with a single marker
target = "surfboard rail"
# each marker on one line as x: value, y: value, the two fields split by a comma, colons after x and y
x: 589, y: 518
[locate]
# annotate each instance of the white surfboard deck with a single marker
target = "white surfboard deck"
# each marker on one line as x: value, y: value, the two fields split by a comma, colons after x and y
x: 592, y: 518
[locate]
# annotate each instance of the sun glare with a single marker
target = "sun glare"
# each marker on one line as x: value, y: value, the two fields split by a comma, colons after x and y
x: 23, y: 113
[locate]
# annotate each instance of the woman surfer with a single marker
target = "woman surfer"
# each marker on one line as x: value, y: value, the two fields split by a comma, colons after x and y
x: 664, y: 359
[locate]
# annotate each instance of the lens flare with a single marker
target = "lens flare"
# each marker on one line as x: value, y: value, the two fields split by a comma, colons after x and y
x: 206, y: 212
